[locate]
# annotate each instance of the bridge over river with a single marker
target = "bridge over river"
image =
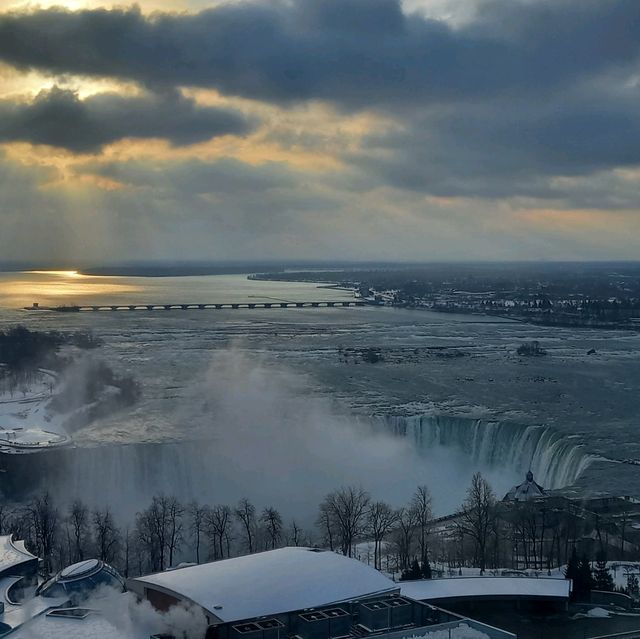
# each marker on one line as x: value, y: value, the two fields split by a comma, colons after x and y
x: 196, y: 306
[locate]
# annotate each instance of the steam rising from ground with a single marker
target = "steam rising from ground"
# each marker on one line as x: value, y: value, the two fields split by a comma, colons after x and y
x: 262, y: 433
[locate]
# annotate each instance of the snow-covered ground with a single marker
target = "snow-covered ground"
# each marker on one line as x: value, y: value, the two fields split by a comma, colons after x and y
x: 26, y: 423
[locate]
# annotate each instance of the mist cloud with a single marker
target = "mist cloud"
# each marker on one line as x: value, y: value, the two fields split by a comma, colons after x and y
x: 257, y: 429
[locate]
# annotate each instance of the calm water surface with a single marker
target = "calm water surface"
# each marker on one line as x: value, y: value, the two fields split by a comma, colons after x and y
x: 57, y: 288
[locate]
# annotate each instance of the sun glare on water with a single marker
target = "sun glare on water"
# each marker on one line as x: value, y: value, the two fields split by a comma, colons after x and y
x: 59, y: 273
x: 58, y: 287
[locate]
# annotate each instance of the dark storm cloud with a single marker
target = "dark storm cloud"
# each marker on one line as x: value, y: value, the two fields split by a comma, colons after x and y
x: 60, y: 118
x: 509, y: 147
x: 353, y: 52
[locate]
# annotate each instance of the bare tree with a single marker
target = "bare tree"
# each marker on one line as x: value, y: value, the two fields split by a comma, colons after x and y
x: 152, y: 531
x: 175, y: 513
x: 106, y: 535
x: 347, y: 510
x: 218, y: 525
x: 327, y: 525
x: 245, y: 513
x: 5, y: 517
x: 381, y: 519
x: 407, y: 521
x: 45, y: 520
x: 295, y: 533
x: 146, y: 539
x: 127, y: 552
x: 79, y: 531
x: 476, y: 519
x: 421, y: 505
x: 272, y: 521
x: 197, y: 515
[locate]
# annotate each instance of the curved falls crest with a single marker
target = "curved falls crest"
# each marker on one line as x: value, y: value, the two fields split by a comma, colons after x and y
x: 554, y: 459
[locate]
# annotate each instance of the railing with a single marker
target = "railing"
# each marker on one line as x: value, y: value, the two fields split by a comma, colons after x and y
x: 629, y: 634
x: 409, y: 633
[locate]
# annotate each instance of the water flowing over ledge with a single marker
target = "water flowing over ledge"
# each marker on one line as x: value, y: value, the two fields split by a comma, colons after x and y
x: 555, y: 460
x: 447, y: 451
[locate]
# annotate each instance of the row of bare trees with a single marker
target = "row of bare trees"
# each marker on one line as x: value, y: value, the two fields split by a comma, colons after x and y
x: 163, y: 534
x: 349, y: 521
x: 349, y: 515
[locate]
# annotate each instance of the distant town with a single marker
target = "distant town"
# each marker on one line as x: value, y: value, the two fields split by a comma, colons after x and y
x: 564, y: 294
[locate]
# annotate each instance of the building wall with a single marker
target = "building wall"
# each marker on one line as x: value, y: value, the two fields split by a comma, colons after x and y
x: 160, y: 600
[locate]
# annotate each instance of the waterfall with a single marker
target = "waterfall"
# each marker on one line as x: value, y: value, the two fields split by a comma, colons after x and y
x: 297, y: 472
x: 554, y: 459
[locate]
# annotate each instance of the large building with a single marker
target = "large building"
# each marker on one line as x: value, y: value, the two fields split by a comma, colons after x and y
x: 289, y: 593
x: 304, y: 593
x: 266, y: 583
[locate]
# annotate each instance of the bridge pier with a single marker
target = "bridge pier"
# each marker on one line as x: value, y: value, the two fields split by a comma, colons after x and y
x: 218, y: 305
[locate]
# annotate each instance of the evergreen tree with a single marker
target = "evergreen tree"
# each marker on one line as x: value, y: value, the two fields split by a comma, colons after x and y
x: 413, y: 572
x: 602, y: 577
x: 426, y: 569
x: 583, y: 584
x: 571, y: 571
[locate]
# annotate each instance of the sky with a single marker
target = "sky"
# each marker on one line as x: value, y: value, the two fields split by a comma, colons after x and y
x: 319, y: 129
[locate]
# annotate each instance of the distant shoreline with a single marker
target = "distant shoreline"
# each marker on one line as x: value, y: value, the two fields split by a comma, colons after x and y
x: 177, y: 269
x: 166, y: 271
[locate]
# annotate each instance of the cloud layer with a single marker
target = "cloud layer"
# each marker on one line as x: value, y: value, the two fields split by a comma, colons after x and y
x: 352, y: 52
x: 320, y: 128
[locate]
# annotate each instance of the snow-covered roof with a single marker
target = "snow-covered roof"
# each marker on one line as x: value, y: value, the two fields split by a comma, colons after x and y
x: 13, y: 553
x: 15, y: 615
x: 93, y: 627
x: 270, y: 583
x: 434, y: 589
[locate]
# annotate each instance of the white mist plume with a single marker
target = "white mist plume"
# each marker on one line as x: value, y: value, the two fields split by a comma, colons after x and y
x: 253, y: 428
x: 282, y: 443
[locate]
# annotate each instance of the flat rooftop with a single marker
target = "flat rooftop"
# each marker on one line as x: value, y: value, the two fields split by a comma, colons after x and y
x: 486, y: 587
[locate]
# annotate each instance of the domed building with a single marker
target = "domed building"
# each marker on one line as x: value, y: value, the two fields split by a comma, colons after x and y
x: 526, y: 491
x: 78, y: 580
